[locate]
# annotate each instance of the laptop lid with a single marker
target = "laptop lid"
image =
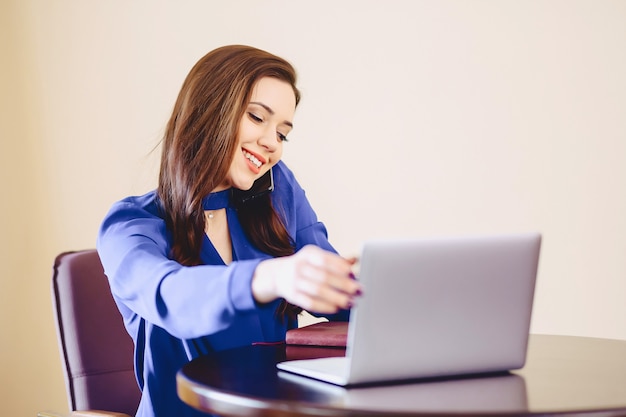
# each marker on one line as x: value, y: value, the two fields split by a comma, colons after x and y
x: 442, y: 306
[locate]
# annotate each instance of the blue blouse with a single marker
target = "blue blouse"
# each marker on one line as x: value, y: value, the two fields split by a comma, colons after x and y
x: 175, y: 313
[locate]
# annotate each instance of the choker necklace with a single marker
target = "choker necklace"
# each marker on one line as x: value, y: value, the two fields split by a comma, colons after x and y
x: 215, y: 201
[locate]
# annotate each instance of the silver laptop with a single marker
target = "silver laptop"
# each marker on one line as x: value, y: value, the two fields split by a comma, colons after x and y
x: 436, y: 307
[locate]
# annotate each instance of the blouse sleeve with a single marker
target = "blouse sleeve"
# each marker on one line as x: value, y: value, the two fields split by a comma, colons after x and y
x: 133, y: 247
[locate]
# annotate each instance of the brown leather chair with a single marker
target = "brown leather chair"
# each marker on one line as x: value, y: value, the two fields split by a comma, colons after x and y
x: 96, y: 350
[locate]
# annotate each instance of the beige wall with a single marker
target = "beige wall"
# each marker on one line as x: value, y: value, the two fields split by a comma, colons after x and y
x: 418, y: 118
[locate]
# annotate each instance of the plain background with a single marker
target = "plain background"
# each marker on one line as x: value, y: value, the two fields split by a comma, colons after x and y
x: 418, y: 118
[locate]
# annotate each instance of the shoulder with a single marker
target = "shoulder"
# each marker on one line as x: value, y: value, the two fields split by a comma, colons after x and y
x: 285, y: 183
x: 134, y: 215
x: 144, y: 206
x: 290, y: 199
x: 282, y: 174
x: 287, y: 190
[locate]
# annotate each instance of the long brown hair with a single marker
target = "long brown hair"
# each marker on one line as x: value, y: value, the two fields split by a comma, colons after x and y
x: 199, y: 145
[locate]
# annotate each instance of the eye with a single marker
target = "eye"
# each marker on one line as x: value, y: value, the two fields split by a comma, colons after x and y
x: 254, y: 117
x: 281, y: 137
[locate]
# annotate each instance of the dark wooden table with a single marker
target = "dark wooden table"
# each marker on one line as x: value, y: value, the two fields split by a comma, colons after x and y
x: 563, y: 375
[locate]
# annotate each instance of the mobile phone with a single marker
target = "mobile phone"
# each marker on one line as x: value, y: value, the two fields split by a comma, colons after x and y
x: 261, y: 186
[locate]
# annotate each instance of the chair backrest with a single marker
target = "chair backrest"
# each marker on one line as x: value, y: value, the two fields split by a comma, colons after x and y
x: 96, y: 350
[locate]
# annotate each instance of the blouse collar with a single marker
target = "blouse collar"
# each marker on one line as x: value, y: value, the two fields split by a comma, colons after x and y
x: 217, y: 200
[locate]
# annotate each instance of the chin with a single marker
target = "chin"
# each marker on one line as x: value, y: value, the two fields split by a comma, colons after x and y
x: 244, y: 186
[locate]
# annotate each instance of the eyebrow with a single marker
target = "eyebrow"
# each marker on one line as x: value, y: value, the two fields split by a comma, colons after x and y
x: 270, y: 111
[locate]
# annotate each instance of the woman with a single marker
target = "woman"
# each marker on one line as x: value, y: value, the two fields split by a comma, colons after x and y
x: 200, y: 264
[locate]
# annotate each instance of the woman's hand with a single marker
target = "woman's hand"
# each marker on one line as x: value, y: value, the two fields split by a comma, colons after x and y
x: 314, y: 279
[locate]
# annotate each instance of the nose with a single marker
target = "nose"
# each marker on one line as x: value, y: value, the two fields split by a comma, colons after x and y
x: 269, y: 140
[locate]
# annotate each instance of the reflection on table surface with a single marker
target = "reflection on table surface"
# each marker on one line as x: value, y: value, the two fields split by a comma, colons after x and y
x: 506, y: 392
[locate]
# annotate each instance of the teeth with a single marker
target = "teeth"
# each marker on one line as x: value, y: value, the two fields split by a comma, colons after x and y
x: 252, y: 158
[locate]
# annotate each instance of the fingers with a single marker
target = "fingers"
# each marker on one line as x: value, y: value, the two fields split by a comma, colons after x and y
x: 326, y: 282
x: 327, y: 261
x: 314, y: 279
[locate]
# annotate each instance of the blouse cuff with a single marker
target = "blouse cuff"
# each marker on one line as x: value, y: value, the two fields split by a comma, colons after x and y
x: 241, y: 285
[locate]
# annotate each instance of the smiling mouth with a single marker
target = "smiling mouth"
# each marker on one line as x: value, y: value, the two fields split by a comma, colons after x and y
x: 252, y: 159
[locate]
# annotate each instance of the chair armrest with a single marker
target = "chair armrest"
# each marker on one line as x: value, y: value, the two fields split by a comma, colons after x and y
x: 84, y: 413
x: 97, y: 413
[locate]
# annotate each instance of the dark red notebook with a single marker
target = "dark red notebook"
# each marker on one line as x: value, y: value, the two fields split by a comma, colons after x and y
x: 327, y: 333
